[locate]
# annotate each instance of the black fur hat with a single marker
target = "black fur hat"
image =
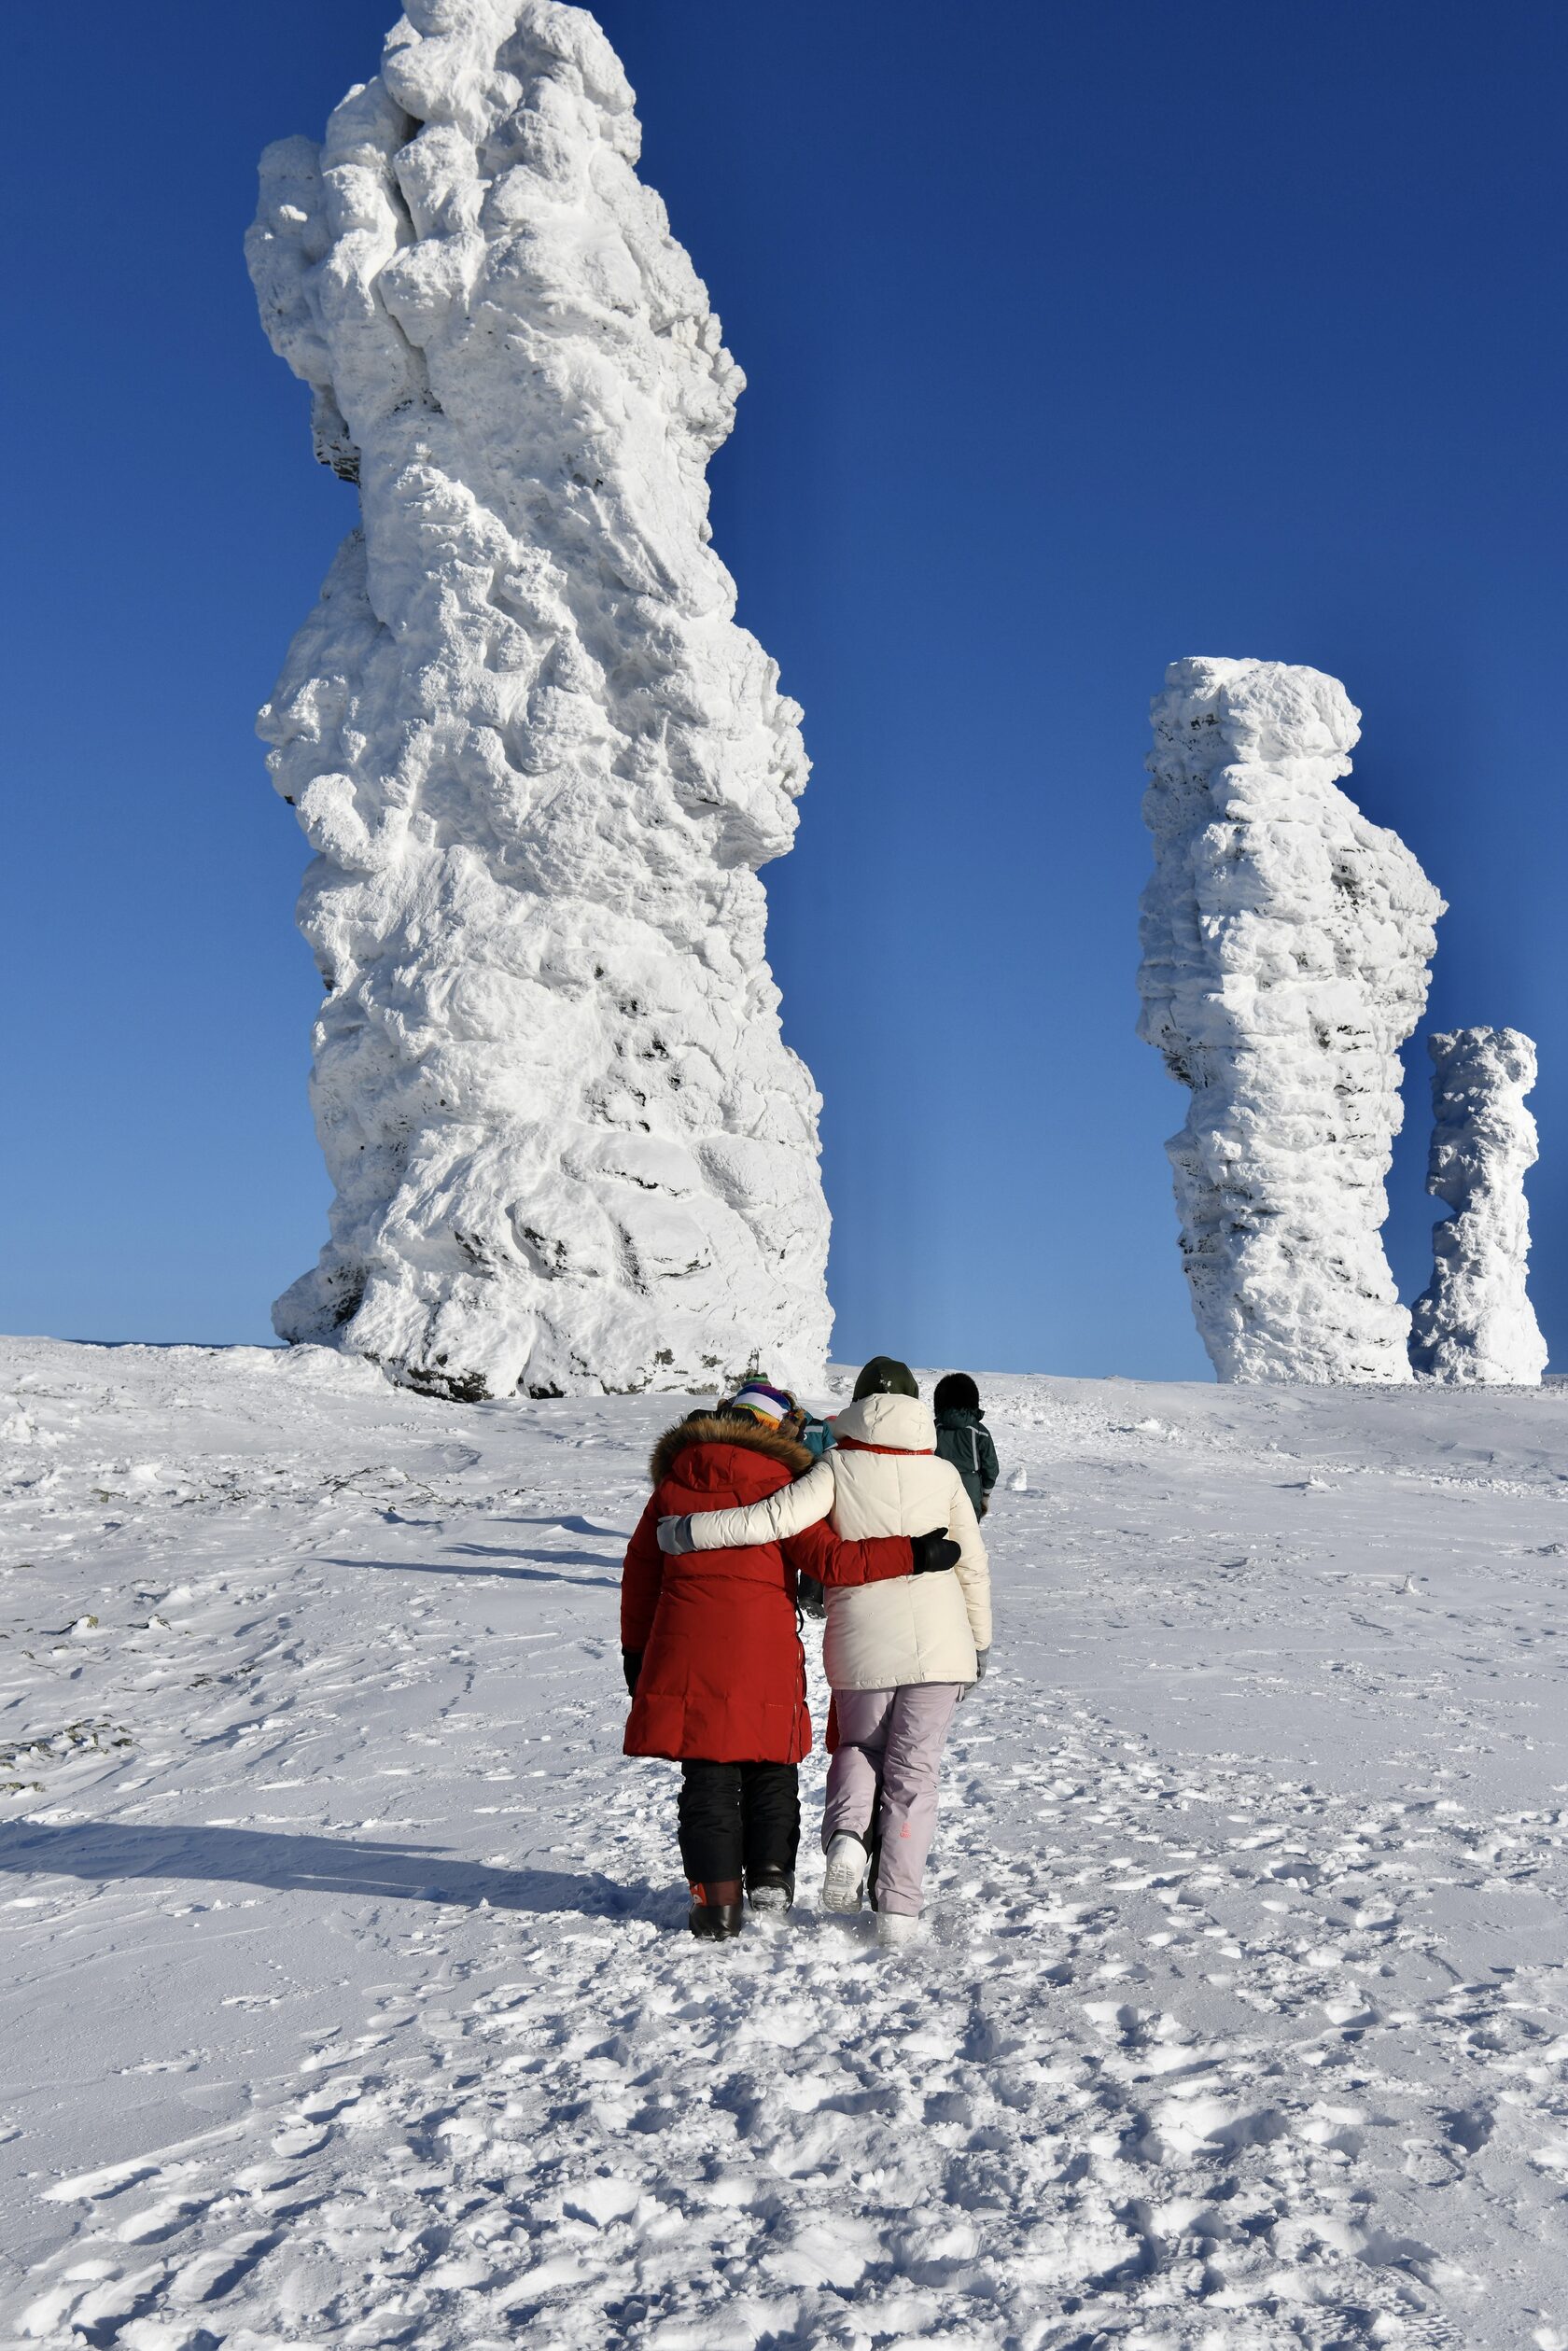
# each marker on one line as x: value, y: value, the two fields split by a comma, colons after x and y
x: 957, y: 1392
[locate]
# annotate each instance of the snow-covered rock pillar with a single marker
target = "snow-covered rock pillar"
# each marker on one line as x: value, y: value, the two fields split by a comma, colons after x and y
x: 1285, y: 949
x: 1474, y: 1323
x: 538, y: 760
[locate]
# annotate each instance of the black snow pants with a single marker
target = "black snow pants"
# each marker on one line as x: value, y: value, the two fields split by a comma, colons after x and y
x: 739, y: 1819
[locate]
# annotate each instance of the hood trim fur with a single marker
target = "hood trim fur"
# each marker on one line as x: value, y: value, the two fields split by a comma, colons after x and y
x: 714, y: 1429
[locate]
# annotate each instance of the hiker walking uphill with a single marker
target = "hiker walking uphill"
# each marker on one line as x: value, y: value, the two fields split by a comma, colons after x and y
x: 712, y: 1653
x: 898, y: 1656
x: 964, y: 1438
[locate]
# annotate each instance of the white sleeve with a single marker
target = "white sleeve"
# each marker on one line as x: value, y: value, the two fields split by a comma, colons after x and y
x: 973, y: 1570
x: 774, y: 1519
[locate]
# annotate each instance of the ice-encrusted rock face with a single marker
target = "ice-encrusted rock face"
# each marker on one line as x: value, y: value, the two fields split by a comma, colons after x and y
x: 1285, y: 949
x: 1474, y: 1323
x: 538, y: 761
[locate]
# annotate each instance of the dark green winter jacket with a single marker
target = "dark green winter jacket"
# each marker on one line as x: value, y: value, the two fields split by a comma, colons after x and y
x: 963, y: 1438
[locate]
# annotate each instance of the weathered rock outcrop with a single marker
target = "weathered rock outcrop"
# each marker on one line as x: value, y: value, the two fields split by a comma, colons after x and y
x: 1474, y: 1322
x: 1285, y: 949
x: 538, y: 760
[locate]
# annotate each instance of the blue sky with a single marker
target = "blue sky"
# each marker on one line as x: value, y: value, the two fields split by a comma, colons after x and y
x: 1079, y: 338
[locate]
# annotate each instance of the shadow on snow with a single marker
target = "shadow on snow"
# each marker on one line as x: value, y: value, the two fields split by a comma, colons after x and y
x: 104, y: 1850
x: 570, y: 1524
x: 496, y: 1552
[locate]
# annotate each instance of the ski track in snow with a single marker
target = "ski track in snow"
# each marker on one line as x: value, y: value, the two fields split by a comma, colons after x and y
x: 349, y: 1997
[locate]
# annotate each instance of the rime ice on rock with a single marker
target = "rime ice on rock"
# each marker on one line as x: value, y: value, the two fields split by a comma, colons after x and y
x: 1474, y: 1323
x: 1285, y: 948
x: 538, y: 760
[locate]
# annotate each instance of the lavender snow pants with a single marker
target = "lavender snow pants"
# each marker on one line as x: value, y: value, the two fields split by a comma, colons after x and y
x: 883, y: 1775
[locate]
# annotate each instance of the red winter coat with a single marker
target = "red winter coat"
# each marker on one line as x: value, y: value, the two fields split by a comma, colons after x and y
x: 724, y: 1673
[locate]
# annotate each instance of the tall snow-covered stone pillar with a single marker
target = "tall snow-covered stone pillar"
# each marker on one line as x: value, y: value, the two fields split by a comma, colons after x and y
x: 538, y: 760
x: 1285, y: 949
x: 1474, y: 1323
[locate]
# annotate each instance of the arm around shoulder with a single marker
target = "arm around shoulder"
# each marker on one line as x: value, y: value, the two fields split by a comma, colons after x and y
x: 790, y: 1511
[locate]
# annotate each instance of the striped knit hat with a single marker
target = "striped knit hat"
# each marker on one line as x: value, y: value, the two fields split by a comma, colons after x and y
x: 768, y: 1404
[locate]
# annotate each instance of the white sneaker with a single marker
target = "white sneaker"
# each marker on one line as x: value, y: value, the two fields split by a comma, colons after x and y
x: 844, y: 1885
x: 895, y: 1929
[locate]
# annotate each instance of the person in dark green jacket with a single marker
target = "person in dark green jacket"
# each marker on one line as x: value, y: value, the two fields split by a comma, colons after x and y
x: 964, y: 1438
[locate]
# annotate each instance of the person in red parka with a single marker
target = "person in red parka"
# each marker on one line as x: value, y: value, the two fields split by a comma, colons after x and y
x: 710, y: 1643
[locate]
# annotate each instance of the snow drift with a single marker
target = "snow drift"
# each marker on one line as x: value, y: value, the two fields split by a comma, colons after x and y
x: 537, y: 762
x: 1285, y: 949
x: 349, y: 1999
x: 1474, y: 1322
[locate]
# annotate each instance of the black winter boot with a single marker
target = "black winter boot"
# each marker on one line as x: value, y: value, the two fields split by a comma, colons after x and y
x: 717, y: 1913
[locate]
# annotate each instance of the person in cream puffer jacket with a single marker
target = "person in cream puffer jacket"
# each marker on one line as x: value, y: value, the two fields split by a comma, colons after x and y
x: 898, y: 1656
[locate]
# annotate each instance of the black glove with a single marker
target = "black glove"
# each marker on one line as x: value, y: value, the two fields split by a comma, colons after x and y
x: 982, y: 1659
x: 631, y: 1665
x: 933, y: 1553
x: 812, y: 1599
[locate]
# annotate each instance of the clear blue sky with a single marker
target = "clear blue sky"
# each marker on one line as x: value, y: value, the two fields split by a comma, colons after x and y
x: 1079, y: 337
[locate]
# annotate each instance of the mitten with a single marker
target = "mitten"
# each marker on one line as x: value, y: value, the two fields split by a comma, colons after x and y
x: 675, y: 1534
x: 631, y: 1666
x: 982, y: 1659
x: 933, y: 1553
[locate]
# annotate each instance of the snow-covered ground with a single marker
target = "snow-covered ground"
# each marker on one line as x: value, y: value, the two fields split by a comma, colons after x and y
x: 348, y: 1999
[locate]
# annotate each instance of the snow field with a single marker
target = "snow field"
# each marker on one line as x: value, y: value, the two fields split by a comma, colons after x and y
x: 349, y: 2001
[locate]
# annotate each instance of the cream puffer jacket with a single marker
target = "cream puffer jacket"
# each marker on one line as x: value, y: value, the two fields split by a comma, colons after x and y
x: 881, y: 1478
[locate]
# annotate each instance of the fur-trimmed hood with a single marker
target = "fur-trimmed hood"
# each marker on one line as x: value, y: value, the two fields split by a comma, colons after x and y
x: 713, y: 1428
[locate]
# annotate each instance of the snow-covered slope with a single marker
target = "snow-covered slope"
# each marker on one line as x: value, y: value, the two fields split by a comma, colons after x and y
x: 538, y: 760
x: 347, y: 1997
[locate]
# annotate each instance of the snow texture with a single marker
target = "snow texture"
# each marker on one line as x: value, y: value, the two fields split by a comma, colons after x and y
x: 348, y: 1996
x: 1474, y: 1322
x: 538, y: 763
x: 1285, y: 949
